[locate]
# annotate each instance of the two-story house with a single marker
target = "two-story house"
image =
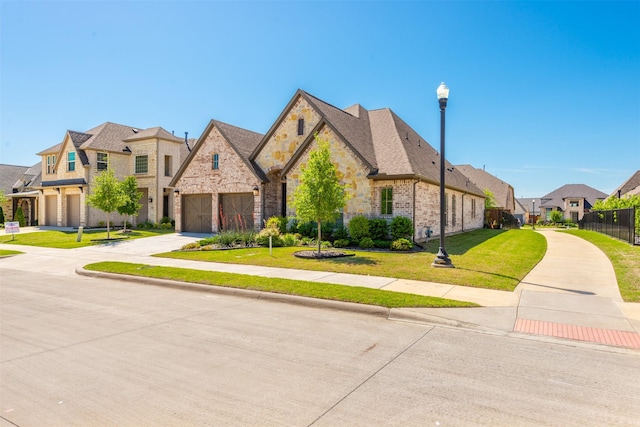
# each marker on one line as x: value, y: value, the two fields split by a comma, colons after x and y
x: 69, y: 168
x: 573, y: 200
x: 235, y: 177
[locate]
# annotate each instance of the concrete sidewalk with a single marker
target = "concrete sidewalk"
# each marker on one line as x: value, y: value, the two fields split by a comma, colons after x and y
x: 573, y: 285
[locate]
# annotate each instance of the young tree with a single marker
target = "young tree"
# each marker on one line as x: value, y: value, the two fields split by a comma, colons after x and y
x: 320, y: 195
x: 490, y: 199
x: 556, y: 217
x: 107, y: 195
x: 130, y: 189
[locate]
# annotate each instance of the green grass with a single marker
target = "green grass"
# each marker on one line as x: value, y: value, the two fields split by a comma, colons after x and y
x: 327, y: 291
x: 624, y: 257
x: 493, y: 259
x: 67, y: 239
x: 6, y: 252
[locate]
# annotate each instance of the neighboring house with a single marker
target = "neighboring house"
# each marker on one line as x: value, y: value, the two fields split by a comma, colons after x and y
x: 573, y: 200
x: 237, y: 178
x: 18, y: 184
x: 502, y: 192
x: 629, y: 188
x: 526, y: 206
x: 69, y: 168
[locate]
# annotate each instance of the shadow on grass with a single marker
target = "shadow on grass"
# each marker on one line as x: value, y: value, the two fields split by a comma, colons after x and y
x: 459, y: 244
x: 354, y: 260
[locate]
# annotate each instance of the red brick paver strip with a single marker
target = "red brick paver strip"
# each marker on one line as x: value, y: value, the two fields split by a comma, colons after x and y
x: 580, y: 333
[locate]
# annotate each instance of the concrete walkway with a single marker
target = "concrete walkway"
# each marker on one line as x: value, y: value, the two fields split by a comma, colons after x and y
x: 572, y: 293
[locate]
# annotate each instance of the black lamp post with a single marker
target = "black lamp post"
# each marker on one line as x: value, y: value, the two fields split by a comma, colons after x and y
x: 442, y: 259
x: 533, y: 218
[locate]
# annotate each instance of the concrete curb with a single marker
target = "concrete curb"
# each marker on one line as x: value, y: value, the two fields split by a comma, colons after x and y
x: 245, y: 293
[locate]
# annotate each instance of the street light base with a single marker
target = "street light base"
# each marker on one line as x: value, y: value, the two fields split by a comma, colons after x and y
x: 442, y: 260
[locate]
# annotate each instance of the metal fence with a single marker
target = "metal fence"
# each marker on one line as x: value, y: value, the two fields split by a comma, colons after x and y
x: 618, y: 223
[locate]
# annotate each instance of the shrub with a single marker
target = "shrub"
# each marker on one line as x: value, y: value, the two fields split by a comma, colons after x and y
x: 366, y: 243
x: 289, y: 240
x: 247, y: 237
x: 213, y: 240
x: 292, y: 225
x: 166, y: 225
x: 401, y: 227
x: 359, y: 227
x: 557, y: 217
x: 308, y: 229
x: 378, y: 229
x: 1, y: 215
x: 19, y: 216
x: 227, y: 238
x: 263, y: 237
x: 341, y: 243
x: 340, y: 233
x: 191, y: 246
x: 165, y: 220
x: 277, y: 222
x: 382, y: 244
x: 401, y: 245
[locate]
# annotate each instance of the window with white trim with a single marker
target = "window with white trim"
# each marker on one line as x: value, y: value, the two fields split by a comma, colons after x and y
x: 51, y: 164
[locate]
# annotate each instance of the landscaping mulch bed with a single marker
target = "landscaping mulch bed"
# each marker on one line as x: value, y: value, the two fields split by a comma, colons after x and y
x: 322, y: 254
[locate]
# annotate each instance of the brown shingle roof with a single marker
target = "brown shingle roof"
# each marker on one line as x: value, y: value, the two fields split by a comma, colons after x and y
x: 502, y: 191
x: 630, y: 186
x: 155, y: 132
x: 582, y: 191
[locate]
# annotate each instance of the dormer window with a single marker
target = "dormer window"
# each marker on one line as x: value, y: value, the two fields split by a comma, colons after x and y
x: 300, y: 126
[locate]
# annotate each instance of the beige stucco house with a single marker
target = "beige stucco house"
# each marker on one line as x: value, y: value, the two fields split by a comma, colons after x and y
x: 69, y: 168
x: 238, y: 178
x: 573, y: 200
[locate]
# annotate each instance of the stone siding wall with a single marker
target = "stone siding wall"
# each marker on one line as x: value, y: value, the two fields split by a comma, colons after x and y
x: 233, y: 176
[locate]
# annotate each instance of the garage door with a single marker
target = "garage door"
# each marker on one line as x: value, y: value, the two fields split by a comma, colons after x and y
x: 73, y: 210
x: 196, y: 213
x: 236, y: 211
x: 51, y: 209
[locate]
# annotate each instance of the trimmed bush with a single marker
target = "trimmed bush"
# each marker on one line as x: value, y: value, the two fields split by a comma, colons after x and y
x: 19, y: 216
x: 263, y: 237
x: 378, y: 229
x: 401, y: 227
x: 289, y: 240
x: 308, y: 229
x: 1, y: 215
x: 340, y: 233
x: 278, y: 222
x: 359, y: 227
x: 191, y: 246
x: 341, y: 243
x: 401, y: 245
x: 382, y: 244
x: 366, y: 243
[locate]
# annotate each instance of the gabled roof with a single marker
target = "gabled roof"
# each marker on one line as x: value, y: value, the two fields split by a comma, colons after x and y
x: 78, y: 139
x: 108, y: 137
x: 387, y: 145
x: 51, y: 150
x: 502, y: 191
x: 242, y: 141
x: 528, y: 202
x: 579, y: 191
x: 15, y: 178
x: 155, y: 132
x: 629, y: 187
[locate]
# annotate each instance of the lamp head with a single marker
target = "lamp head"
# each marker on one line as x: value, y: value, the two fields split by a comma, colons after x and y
x: 442, y: 91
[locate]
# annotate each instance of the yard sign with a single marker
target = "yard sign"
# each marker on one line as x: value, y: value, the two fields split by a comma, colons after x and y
x: 12, y: 227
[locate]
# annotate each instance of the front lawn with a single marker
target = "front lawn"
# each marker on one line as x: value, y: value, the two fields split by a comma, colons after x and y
x: 624, y: 257
x: 327, y: 291
x: 6, y: 252
x: 67, y: 239
x: 493, y: 259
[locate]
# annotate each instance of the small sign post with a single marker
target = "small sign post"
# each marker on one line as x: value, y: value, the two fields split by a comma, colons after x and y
x: 13, y: 228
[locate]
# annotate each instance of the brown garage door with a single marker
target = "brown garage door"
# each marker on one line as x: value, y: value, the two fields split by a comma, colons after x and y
x: 73, y: 210
x: 51, y: 209
x: 236, y: 211
x: 196, y: 213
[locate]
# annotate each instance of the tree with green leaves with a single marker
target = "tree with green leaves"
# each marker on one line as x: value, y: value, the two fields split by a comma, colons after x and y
x: 556, y: 217
x: 107, y: 195
x: 130, y: 189
x: 490, y: 199
x: 19, y: 216
x: 626, y: 202
x: 320, y: 196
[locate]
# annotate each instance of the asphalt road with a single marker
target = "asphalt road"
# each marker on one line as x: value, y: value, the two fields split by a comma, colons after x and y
x: 96, y: 352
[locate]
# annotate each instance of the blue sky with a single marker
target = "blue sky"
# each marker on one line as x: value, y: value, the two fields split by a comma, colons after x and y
x: 542, y: 93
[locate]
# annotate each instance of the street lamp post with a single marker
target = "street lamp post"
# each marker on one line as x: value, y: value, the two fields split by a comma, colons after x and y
x: 442, y: 258
x: 533, y: 217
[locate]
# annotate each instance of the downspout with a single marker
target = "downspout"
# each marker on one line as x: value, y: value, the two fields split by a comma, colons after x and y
x: 414, y: 211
